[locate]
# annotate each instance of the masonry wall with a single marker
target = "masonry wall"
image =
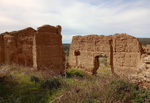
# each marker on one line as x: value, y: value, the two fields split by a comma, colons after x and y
x: 122, y: 51
x: 88, y: 47
x: 127, y: 52
x: 24, y: 46
x: 18, y: 47
x: 1, y: 49
x: 48, y: 50
x: 146, y: 48
x: 41, y: 49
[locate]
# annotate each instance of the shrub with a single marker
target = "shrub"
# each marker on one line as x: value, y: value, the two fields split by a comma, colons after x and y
x: 75, y: 73
x: 52, y: 83
x: 130, y: 92
x: 34, y: 79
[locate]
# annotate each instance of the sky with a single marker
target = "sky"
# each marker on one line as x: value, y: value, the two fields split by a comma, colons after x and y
x: 78, y: 17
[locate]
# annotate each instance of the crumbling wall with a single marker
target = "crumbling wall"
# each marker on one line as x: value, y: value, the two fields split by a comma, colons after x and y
x: 88, y: 47
x: 127, y: 52
x: 9, y: 48
x: 122, y: 51
x: 1, y: 49
x: 146, y: 49
x: 24, y: 54
x: 48, y: 50
x: 41, y: 49
x: 18, y: 47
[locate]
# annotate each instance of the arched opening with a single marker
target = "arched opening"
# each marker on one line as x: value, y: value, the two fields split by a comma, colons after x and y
x: 101, y: 66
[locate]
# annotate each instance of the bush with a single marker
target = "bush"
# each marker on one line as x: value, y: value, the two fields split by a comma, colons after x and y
x: 51, y: 84
x: 23, y: 88
x: 129, y: 92
x: 75, y: 73
x: 34, y: 79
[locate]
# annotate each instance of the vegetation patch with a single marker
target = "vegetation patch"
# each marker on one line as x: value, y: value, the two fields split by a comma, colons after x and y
x: 76, y: 73
x: 52, y: 83
x: 130, y: 92
x: 79, y: 87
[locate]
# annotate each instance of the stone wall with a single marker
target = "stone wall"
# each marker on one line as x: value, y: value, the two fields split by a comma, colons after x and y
x: 32, y: 48
x: 146, y: 49
x: 1, y: 49
x: 127, y: 52
x: 48, y: 50
x: 18, y: 47
x: 123, y: 52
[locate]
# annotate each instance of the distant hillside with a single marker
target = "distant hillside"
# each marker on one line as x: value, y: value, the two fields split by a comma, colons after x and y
x: 144, y: 41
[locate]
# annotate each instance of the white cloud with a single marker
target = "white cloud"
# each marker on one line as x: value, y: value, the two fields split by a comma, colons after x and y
x: 78, y: 17
x: 7, y: 20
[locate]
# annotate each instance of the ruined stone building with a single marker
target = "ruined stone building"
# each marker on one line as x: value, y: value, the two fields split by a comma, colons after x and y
x: 41, y: 48
x: 123, y: 52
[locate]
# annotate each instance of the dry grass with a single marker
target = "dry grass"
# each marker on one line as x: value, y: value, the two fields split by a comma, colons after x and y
x: 14, y: 69
x: 24, y: 85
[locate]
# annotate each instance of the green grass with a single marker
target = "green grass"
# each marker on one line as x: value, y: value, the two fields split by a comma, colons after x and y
x: 20, y: 85
x: 76, y: 73
x: 104, y: 68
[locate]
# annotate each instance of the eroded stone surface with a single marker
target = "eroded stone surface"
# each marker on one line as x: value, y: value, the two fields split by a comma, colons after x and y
x: 1, y: 49
x: 123, y: 52
x: 146, y: 49
x: 18, y: 47
x: 32, y: 48
x: 48, y: 50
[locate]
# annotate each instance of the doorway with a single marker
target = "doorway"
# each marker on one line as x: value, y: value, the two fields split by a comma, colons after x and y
x: 101, y: 66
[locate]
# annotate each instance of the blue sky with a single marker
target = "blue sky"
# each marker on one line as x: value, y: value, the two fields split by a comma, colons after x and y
x: 78, y: 17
